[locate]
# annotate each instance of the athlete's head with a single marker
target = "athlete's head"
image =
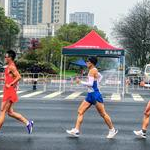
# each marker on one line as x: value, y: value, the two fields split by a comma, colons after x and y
x: 10, y: 56
x: 91, y: 61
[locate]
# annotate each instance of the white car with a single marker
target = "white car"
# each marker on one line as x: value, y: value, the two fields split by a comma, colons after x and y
x: 133, y: 71
x: 147, y: 74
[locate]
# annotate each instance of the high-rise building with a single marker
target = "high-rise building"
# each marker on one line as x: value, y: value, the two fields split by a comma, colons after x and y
x: 17, y: 10
x: 2, y: 3
x: 54, y: 11
x: 33, y: 12
x: 26, y: 11
x: 82, y: 18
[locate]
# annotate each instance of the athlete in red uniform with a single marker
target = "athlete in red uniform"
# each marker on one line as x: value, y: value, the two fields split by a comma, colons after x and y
x: 10, y: 97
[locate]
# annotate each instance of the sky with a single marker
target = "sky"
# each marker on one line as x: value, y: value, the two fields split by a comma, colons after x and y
x: 105, y: 11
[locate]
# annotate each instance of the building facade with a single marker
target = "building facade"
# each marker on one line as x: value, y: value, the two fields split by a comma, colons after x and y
x: 54, y: 11
x: 26, y: 11
x: 35, y: 31
x: 82, y: 18
x: 37, y: 18
x: 2, y: 3
x: 34, y: 12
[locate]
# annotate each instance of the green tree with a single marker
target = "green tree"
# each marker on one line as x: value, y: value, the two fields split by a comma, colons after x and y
x: 50, y: 50
x: 73, y: 32
x: 8, y: 31
x: 51, y: 47
x: 133, y: 33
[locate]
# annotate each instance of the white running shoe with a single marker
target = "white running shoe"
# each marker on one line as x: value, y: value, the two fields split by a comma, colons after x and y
x: 140, y: 134
x: 74, y: 132
x: 111, y: 134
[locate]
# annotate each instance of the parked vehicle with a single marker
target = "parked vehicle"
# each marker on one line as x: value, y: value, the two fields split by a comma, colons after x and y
x: 146, y: 74
x: 134, y: 74
x: 134, y: 71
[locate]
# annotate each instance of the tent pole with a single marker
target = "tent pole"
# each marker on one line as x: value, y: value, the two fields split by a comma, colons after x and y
x: 64, y: 78
x: 61, y: 67
x: 118, y: 76
x: 123, y: 91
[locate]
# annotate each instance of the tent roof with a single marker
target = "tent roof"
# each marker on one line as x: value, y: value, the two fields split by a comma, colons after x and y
x: 79, y: 62
x: 92, y: 44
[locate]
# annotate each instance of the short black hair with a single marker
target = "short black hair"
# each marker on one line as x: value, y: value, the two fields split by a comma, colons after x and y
x: 93, y: 60
x: 11, y: 54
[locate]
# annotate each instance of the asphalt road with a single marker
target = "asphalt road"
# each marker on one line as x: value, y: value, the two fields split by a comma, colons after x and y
x: 52, y: 118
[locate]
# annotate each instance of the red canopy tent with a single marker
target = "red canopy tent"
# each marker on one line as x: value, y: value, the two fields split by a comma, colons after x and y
x: 92, y: 44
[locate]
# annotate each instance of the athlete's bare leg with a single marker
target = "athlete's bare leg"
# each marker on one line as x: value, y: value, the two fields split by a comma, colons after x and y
x: 101, y: 109
x: 16, y: 115
x: 146, y: 117
x: 81, y: 110
x: 4, y: 108
x: 145, y: 123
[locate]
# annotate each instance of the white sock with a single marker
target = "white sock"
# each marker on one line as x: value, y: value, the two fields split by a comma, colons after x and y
x: 112, y: 130
x: 76, y: 130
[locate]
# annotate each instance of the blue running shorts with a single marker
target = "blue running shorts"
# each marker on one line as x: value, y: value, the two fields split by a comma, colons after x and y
x: 94, y: 97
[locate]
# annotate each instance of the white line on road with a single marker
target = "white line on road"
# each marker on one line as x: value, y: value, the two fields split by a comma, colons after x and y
x: 18, y: 92
x: 52, y: 95
x: 74, y: 95
x: 137, y: 97
x: 115, y: 97
x: 32, y: 94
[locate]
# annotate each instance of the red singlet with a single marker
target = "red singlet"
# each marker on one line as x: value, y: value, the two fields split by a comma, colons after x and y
x: 9, y: 94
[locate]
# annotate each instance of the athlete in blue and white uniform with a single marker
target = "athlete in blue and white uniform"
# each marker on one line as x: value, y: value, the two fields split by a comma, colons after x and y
x: 93, y: 97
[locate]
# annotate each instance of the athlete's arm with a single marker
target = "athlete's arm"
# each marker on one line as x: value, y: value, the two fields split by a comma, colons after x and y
x: 89, y: 82
x: 91, y: 78
x: 99, y: 77
x: 16, y: 75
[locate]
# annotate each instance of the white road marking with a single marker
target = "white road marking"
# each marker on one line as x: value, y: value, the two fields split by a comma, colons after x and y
x: 52, y: 95
x: 32, y: 94
x: 115, y: 97
x: 137, y: 97
x: 74, y: 95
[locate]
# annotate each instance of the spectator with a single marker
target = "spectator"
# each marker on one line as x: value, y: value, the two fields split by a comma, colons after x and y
x: 35, y: 70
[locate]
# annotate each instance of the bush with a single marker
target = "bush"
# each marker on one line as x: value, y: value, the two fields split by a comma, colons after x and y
x: 25, y: 66
x: 48, y: 68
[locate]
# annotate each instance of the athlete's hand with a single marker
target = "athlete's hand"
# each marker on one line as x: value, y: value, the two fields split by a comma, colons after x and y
x: 8, y: 85
x: 78, y: 80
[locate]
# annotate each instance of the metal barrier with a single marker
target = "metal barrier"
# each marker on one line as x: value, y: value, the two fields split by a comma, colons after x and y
x: 1, y: 80
x: 111, y: 82
x: 52, y: 82
x: 136, y: 83
x: 28, y: 80
x: 108, y: 84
